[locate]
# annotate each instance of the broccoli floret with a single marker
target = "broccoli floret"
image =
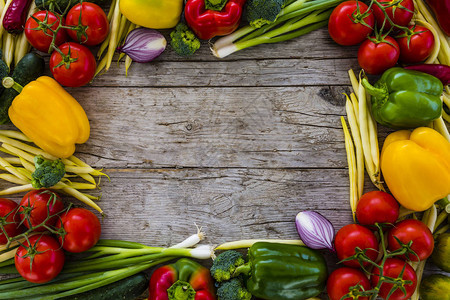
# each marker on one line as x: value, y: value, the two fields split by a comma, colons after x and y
x: 262, y: 12
x: 233, y: 289
x: 225, y: 264
x: 48, y: 172
x: 183, y: 40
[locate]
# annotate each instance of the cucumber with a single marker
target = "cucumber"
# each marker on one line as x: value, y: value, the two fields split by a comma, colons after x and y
x: 61, y: 5
x: 30, y: 67
x: 126, y: 289
x: 4, y: 71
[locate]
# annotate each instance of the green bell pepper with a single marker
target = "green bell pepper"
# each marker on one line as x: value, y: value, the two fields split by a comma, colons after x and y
x: 405, y: 98
x: 284, y: 272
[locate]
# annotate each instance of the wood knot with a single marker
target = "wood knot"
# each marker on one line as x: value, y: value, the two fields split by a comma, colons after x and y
x: 334, y: 95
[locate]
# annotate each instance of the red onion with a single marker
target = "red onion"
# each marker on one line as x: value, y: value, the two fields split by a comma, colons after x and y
x: 143, y: 45
x: 315, y: 230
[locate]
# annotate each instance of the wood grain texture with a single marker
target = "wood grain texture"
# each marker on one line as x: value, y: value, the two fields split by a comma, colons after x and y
x: 271, y: 127
x: 311, y: 60
x: 276, y: 72
x: 230, y: 203
x: 316, y: 45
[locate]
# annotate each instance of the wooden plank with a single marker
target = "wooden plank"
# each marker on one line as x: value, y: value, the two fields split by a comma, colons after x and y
x: 315, y: 45
x: 276, y: 72
x: 160, y: 207
x: 312, y: 60
x: 289, y: 127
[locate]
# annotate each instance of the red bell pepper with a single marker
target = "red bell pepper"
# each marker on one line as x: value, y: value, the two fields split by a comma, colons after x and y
x: 207, y: 23
x: 184, y: 279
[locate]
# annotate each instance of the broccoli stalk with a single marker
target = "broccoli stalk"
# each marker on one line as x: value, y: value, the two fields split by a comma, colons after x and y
x: 233, y: 289
x: 47, y: 173
x: 183, y: 40
x: 262, y: 12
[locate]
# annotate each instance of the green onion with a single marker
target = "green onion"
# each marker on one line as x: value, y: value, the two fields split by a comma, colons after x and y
x: 299, y: 17
x: 248, y: 243
x: 107, y: 262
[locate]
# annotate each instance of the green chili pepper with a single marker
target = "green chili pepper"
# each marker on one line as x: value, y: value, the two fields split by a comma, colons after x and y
x: 405, y: 98
x: 284, y: 272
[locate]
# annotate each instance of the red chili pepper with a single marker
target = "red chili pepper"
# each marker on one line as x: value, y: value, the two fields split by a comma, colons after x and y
x: 442, y: 72
x: 441, y: 9
x: 184, y: 279
x: 207, y: 23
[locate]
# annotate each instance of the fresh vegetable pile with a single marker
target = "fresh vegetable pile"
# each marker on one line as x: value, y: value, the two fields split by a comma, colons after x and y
x: 98, y: 273
x: 414, y: 161
x: 36, y: 232
x: 56, y: 248
x: 387, y: 34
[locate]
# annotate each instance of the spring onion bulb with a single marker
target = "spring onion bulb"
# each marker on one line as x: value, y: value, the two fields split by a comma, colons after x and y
x: 107, y: 262
x: 192, y: 240
x: 315, y: 230
x: 143, y: 45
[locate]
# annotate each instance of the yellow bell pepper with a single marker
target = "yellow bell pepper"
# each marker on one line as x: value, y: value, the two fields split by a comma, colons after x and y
x: 157, y: 14
x: 416, y: 167
x: 50, y: 117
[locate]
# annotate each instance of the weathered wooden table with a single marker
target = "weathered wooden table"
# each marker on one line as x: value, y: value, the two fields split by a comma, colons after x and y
x: 238, y: 145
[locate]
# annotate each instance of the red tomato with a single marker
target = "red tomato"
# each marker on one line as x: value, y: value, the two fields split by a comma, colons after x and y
x: 39, y: 35
x: 82, y: 230
x: 415, y: 231
x: 39, y: 260
x: 342, y: 279
x: 377, y: 57
x: 9, y: 219
x: 346, y: 24
x: 392, y: 268
x: 73, y: 70
x: 33, y: 208
x: 351, y: 236
x: 400, y: 13
x: 421, y: 43
x: 94, y: 25
x: 377, y: 207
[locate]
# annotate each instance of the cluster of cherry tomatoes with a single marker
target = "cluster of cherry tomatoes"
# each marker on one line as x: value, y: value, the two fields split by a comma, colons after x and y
x: 353, y: 22
x: 47, y: 229
x: 378, y: 207
x: 71, y: 63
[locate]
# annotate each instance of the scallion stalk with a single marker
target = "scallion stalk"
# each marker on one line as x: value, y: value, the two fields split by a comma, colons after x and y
x: 248, y: 243
x: 110, y: 261
x: 295, y: 19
